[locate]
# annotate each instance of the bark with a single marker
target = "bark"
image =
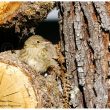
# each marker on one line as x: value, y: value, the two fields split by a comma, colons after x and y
x: 84, y: 32
x: 23, y: 17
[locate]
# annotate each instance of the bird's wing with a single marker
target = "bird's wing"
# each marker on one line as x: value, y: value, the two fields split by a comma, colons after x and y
x: 51, y: 50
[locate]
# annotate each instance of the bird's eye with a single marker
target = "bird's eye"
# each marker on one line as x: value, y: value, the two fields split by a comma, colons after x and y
x: 38, y: 42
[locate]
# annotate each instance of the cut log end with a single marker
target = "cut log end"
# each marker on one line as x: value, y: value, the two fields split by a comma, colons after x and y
x: 8, y: 10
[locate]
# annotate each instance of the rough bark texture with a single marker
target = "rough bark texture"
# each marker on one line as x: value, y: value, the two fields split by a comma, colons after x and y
x: 23, y: 17
x: 84, y: 32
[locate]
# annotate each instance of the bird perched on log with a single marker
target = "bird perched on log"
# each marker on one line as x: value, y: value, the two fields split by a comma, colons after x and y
x: 39, y: 54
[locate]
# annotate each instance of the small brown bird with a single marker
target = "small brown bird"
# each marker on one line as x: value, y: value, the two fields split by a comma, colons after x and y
x: 39, y: 54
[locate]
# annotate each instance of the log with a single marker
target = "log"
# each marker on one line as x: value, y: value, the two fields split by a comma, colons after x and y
x: 22, y: 87
x: 23, y: 17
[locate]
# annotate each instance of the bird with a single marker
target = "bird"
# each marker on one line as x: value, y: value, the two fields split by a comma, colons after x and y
x: 39, y: 54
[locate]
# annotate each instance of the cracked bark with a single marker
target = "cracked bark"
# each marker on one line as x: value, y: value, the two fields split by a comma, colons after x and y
x: 23, y: 17
x: 85, y: 40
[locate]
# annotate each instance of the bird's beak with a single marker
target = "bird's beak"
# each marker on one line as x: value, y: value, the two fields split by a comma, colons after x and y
x: 46, y: 42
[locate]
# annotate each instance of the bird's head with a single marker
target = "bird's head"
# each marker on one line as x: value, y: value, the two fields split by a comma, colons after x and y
x: 35, y: 41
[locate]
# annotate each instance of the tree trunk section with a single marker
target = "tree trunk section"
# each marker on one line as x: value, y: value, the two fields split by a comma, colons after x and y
x: 85, y: 42
x: 23, y: 17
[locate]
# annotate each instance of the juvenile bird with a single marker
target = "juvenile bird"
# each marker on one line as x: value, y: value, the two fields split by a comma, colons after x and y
x: 38, y: 53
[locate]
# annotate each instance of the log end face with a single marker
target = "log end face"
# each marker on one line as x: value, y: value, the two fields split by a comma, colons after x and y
x: 16, y: 90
